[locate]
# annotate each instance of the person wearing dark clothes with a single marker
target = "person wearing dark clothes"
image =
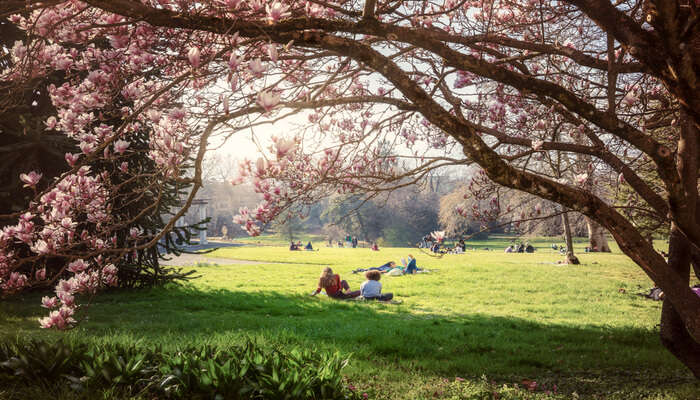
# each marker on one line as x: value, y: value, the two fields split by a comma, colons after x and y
x: 529, y: 248
x: 382, y: 268
x: 462, y: 245
x: 411, y: 268
x: 333, y: 286
x: 371, y: 289
x: 521, y: 248
x: 293, y: 246
x: 308, y: 246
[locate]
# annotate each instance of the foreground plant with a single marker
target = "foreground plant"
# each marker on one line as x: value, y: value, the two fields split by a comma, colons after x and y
x: 396, y: 89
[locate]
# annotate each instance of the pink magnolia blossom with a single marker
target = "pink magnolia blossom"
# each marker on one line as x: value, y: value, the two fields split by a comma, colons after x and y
x: 193, y: 55
x: 581, y: 178
x: 77, y: 266
x: 268, y: 100
x: 630, y: 98
x: 276, y: 11
x: 71, y: 158
x: 537, y: 144
x: 41, y: 247
x: 120, y: 146
x: 272, y: 52
x: 234, y: 62
x: 284, y: 147
x: 51, y: 123
x: 40, y: 274
x: 438, y: 235
x: 256, y: 67
x: 49, y: 302
x: 30, y: 179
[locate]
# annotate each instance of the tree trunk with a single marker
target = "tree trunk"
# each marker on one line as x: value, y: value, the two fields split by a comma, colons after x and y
x: 674, y: 335
x: 570, y: 257
x: 597, y: 239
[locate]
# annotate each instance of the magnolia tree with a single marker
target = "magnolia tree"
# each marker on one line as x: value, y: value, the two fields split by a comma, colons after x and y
x: 504, y: 84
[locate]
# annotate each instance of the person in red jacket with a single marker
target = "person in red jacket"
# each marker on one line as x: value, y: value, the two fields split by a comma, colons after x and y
x: 333, y: 286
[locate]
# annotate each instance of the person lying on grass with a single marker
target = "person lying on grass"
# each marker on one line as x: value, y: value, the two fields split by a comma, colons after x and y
x: 333, y: 286
x: 371, y: 289
x: 384, y: 268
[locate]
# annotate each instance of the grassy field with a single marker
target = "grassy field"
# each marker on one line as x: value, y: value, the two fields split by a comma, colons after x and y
x: 482, y: 325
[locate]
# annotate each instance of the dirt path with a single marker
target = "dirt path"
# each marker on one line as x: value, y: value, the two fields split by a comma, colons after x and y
x: 194, y: 259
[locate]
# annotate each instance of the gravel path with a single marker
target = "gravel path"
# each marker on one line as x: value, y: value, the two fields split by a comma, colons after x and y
x: 194, y: 259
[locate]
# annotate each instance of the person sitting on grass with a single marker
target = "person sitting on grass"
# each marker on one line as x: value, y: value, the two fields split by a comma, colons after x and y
x: 411, y: 268
x: 333, y: 286
x: 375, y: 247
x: 371, y: 289
x: 293, y: 246
x: 309, y: 247
x: 384, y: 268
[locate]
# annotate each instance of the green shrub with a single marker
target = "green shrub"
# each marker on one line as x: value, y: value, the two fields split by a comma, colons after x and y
x: 245, y: 372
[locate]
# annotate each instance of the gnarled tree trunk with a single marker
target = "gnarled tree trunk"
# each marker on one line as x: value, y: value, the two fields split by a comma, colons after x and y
x: 674, y: 335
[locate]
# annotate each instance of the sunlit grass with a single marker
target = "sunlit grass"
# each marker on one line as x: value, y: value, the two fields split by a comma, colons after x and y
x: 505, y: 316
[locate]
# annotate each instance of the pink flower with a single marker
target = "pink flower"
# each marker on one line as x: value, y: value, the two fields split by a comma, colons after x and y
x: 120, y: 146
x: 284, y: 146
x: 261, y: 165
x: 234, y: 62
x: 177, y: 114
x: 41, y: 247
x: 49, y: 302
x: 109, y: 269
x: 438, y: 235
x: 537, y: 144
x: 124, y: 167
x: 630, y: 98
x: 40, y: 274
x: 30, y: 179
x: 272, y: 52
x: 71, y: 158
x: 51, y: 123
x: 77, y: 266
x: 194, y: 56
x: 256, y: 67
x: 581, y: 178
x: 268, y: 100
x: 276, y: 11
x: 45, y: 322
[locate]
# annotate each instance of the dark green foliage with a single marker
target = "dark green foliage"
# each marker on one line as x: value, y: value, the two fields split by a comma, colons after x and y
x: 246, y: 372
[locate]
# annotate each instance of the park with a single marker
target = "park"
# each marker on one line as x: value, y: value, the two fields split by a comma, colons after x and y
x: 357, y: 199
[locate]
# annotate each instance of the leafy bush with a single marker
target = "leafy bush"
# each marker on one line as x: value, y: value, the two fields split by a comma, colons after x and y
x: 244, y: 372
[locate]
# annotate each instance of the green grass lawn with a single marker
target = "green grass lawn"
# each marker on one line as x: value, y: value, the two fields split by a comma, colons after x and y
x: 491, y: 318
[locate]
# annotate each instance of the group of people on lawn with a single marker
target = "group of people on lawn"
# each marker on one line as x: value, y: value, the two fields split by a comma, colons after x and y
x: 298, y: 246
x: 370, y: 289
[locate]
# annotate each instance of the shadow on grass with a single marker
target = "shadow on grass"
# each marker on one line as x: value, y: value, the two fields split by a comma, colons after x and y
x: 588, y: 359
